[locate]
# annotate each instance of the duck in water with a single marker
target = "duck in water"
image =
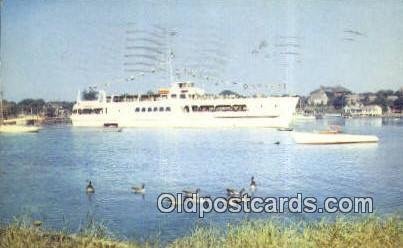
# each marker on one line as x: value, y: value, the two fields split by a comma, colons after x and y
x: 90, y: 188
x: 235, y: 193
x: 189, y: 193
x: 139, y: 190
x: 252, y: 184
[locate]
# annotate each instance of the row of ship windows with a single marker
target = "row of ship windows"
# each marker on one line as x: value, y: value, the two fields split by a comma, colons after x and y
x: 216, y: 108
x: 194, y: 108
x: 87, y: 111
x: 155, y: 109
x: 130, y: 98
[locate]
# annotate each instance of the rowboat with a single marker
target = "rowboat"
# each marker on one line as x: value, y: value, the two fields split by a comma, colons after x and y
x: 286, y: 129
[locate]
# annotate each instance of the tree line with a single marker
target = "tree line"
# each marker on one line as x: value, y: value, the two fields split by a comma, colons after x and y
x: 337, y: 99
x: 35, y: 107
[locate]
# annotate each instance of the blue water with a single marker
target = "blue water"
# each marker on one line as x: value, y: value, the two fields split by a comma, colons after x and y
x: 44, y: 175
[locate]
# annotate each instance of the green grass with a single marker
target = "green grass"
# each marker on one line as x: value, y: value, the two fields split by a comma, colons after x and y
x: 367, y: 232
x: 361, y: 232
x: 23, y: 233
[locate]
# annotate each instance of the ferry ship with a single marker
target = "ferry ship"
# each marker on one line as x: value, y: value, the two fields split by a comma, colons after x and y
x: 183, y: 105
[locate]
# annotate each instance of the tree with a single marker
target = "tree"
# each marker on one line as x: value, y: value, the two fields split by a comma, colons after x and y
x: 381, y: 98
x: 228, y: 93
x: 9, y: 109
x: 29, y: 106
x: 398, y: 103
x: 399, y: 93
x: 90, y: 94
x: 384, y: 93
x: 339, y: 102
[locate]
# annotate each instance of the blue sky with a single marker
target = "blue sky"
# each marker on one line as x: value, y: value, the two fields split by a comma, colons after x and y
x: 51, y: 49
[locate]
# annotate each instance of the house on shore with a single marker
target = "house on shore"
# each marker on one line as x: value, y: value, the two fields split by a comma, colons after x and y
x: 352, y: 99
x: 361, y: 110
x: 372, y: 110
x: 318, y: 97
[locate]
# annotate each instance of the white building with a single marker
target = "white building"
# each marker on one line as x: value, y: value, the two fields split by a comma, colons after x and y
x: 391, y: 98
x: 352, y: 99
x: 372, y: 110
x: 318, y: 97
x: 360, y: 110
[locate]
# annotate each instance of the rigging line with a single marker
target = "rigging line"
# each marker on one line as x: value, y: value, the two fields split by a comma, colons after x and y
x: 145, y: 32
x: 158, y: 43
x: 139, y: 70
x: 152, y: 57
x: 138, y: 63
x: 151, y: 49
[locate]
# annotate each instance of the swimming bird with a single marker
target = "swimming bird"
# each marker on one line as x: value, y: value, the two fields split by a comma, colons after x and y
x: 37, y: 223
x: 235, y: 193
x: 277, y: 143
x: 189, y: 193
x: 90, y: 188
x: 252, y: 184
x: 175, y: 202
x: 139, y: 190
x: 200, y: 199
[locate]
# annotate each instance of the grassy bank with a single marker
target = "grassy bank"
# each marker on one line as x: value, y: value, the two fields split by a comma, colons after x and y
x: 368, y: 232
x: 22, y: 234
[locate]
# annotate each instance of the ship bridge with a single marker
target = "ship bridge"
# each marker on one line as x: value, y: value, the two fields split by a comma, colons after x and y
x: 182, y: 90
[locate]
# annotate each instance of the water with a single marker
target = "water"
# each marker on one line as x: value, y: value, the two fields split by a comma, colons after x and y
x: 44, y: 175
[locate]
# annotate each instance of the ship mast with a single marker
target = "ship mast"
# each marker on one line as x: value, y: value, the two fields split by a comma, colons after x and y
x: 1, y: 85
x: 170, y: 55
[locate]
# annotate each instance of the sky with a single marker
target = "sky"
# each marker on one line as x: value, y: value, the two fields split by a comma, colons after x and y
x: 52, y: 49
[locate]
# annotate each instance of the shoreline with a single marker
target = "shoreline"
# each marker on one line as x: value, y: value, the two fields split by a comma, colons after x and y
x: 370, y: 231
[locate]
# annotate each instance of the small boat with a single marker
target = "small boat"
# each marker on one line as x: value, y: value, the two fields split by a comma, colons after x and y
x: 318, y: 116
x: 18, y: 129
x: 112, y: 127
x: 303, y: 117
x: 21, y: 124
x: 332, y: 138
x: 332, y: 115
x: 286, y: 129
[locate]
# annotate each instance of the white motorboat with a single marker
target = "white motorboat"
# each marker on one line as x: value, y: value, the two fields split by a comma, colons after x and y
x: 331, y: 137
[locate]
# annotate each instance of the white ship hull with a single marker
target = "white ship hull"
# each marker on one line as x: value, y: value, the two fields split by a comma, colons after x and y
x: 191, y: 112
